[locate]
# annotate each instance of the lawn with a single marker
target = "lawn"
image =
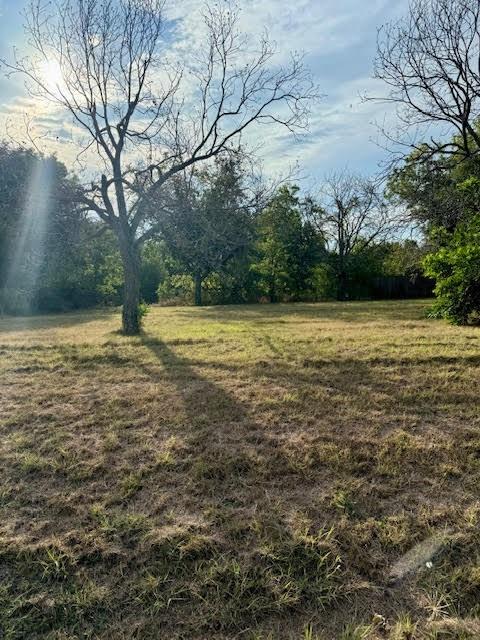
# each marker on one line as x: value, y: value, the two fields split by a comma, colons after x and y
x: 259, y: 472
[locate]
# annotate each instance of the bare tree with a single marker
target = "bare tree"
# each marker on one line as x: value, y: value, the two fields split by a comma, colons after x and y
x: 430, y: 61
x: 352, y: 214
x: 149, y: 118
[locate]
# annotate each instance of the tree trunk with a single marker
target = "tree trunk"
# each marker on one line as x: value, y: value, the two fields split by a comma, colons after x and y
x: 272, y: 290
x: 198, y: 290
x: 131, y: 287
x: 273, y: 295
x: 342, y: 286
x: 342, y: 274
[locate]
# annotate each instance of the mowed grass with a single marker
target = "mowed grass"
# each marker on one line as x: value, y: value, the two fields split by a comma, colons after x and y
x: 240, y: 472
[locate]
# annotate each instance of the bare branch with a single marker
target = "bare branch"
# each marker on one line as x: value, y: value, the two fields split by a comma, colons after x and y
x: 430, y: 64
x: 140, y: 111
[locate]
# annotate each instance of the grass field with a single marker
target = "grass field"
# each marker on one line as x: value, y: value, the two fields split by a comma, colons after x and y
x: 291, y: 471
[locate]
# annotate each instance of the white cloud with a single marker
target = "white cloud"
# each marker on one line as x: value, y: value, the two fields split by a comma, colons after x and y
x: 338, y: 38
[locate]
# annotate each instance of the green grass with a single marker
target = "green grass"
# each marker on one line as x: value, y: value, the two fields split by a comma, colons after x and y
x: 240, y: 472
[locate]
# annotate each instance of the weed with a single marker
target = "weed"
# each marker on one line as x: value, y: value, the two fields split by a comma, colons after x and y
x: 309, y: 634
x: 130, y: 485
x: 343, y: 502
x: 127, y: 527
x: 30, y: 462
x: 356, y: 632
x: 404, y: 628
x: 55, y: 564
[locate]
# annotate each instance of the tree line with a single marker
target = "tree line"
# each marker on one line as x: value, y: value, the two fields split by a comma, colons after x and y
x: 173, y: 210
x: 222, y: 238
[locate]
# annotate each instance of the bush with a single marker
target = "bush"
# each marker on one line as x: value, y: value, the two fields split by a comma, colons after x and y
x: 59, y: 299
x: 46, y: 300
x: 14, y: 301
x: 176, y: 290
x: 456, y: 270
x: 143, y: 310
x: 322, y: 283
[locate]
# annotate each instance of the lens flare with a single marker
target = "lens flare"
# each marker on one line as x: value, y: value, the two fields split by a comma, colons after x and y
x: 28, y: 251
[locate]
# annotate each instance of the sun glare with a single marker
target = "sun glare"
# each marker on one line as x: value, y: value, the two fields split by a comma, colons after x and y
x: 52, y: 75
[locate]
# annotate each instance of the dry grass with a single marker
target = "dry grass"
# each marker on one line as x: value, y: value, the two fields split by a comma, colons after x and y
x: 250, y: 472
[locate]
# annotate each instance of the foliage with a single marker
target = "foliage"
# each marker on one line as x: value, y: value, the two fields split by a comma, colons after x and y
x: 91, y: 267
x: 456, y: 269
x: 444, y: 196
x: 288, y: 247
x: 208, y: 221
x: 63, y: 261
x: 354, y: 218
x: 153, y: 270
x: 214, y: 229
x: 429, y: 63
x: 236, y: 283
x: 364, y: 264
x: 403, y: 258
x: 143, y: 311
x: 176, y: 289
x: 430, y: 189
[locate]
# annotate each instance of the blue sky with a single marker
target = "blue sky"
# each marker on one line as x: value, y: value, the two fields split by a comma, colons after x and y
x: 338, y: 38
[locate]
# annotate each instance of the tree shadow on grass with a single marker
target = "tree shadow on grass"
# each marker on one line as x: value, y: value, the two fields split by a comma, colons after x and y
x: 234, y: 480
x: 227, y: 450
x: 205, y: 402
x: 358, y: 381
x: 231, y: 475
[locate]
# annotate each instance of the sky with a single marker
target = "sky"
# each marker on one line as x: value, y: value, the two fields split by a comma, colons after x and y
x: 338, y: 38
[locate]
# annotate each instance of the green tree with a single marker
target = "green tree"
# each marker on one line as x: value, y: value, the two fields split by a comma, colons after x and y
x: 53, y: 257
x: 235, y: 283
x: 444, y: 197
x: 207, y: 220
x: 288, y: 246
x: 39, y: 223
x: 404, y: 258
x: 456, y: 268
x: 429, y: 189
x: 86, y: 274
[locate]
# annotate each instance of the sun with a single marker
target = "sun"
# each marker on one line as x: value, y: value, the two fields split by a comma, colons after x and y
x: 52, y: 76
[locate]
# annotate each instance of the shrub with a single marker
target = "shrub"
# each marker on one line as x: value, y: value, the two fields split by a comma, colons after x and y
x: 176, y: 290
x: 143, y: 310
x: 456, y: 270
